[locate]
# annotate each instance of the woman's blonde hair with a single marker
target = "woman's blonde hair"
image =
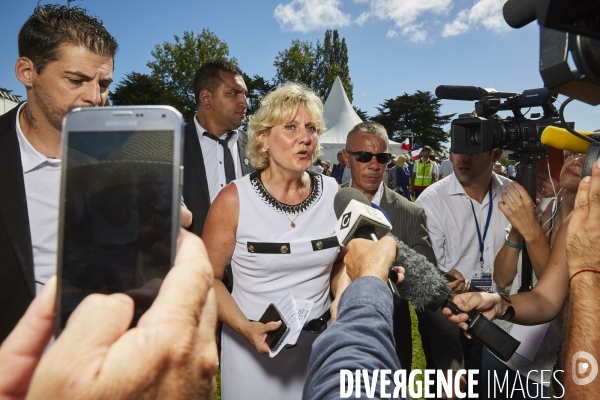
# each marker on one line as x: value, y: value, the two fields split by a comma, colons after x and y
x: 277, y: 107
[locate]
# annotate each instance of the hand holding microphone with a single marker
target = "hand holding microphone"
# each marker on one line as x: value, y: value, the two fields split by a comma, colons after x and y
x: 367, y: 258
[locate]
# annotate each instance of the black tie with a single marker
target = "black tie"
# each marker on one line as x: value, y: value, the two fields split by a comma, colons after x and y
x: 229, y: 165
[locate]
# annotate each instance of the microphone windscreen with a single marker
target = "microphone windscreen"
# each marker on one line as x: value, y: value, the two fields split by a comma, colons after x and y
x: 423, y: 282
x: 451, y: 92
x: 562, y: 139
x: 343, y: 198
x: 518, y: 13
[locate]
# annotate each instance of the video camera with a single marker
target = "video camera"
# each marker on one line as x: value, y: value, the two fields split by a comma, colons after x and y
x: 486, y: 131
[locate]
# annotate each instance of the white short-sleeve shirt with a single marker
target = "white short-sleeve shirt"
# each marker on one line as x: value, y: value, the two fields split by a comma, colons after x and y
x: 452, y: 229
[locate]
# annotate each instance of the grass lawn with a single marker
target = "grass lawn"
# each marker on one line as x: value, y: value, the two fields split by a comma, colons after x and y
x: 418, y: 361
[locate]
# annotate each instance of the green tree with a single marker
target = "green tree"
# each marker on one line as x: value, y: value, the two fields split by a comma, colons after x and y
x: 258, y: 87
x: 296, y: 64
x: 175, y: 65
x: 137, y: 89
x: 315, y: 66
x: 419, y: 112
x: 362, y: 114
x: 331, y: 61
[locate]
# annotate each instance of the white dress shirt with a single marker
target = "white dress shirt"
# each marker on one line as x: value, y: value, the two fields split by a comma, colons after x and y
x: 346, y: 175
x: 452, y: 230
x: 214, y: 162
x: 42, y: 186
x: 447, y: 168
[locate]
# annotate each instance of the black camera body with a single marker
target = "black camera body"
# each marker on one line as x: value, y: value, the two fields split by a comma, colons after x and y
x: 486, y: 132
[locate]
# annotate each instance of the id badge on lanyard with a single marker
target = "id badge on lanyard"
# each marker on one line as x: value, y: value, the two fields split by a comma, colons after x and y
x: 483, y: 280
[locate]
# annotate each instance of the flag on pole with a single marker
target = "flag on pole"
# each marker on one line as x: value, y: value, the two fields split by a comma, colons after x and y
x: 416, y: 151
x: 406, y: 145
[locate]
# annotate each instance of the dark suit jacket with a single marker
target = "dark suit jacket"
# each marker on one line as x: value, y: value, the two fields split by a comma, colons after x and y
x: 408, y: 225
x: 17, y: 281
x: 195, y: 185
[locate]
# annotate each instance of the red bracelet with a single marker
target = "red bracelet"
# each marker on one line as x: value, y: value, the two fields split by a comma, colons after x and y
x: 580, y: 271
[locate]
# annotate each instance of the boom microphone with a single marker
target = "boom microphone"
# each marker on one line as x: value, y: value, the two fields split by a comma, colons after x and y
x: 562, y: 139
x: 518, y: 13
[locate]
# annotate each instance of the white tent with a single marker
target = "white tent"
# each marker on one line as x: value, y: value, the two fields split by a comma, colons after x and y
x: 340, y: 118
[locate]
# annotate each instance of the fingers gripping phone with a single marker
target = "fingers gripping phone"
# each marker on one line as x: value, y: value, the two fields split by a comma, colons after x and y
x: 120, y: 202
x: 274, y: 338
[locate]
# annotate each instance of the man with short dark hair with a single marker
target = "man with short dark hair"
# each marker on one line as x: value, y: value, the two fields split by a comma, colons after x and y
x: 214, y: 144
x: 367, y: 155
x: 466, y: 230
x: 66, y: 60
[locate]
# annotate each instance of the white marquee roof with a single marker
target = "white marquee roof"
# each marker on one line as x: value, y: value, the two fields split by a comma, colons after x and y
x: 340, y: 118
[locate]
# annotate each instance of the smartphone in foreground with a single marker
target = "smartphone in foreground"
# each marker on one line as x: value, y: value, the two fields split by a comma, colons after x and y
x: 120, y: 204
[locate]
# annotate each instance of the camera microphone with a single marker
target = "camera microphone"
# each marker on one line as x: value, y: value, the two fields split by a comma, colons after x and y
x: 452, y: 92
x: 518, y: 13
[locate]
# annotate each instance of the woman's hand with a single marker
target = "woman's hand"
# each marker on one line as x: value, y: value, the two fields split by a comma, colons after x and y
x: 490, y: 304
x: 546, y: 186
x: 520, y: 210
x: 256, y: 334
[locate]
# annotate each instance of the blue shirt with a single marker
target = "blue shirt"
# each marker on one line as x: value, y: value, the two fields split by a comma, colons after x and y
x: 337, y: 173
x: 361, y: 338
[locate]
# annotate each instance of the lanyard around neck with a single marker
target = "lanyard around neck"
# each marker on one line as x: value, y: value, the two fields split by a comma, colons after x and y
x: 487, y: 225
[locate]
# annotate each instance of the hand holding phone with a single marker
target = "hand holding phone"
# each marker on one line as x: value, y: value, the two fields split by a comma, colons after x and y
x: 120, y: 204
x: 274, y: 338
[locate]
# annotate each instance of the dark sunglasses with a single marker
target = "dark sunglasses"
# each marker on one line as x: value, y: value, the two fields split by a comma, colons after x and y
x: 365, y: 156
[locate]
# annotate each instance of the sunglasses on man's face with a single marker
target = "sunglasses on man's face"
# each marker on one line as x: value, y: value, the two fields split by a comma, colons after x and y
x: 365, y: 156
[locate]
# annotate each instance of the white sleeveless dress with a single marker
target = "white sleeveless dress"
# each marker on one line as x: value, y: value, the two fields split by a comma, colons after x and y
x: 264, y: 272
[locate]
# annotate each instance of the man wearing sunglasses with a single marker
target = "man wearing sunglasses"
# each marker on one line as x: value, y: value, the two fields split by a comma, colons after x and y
x: 366, y: 155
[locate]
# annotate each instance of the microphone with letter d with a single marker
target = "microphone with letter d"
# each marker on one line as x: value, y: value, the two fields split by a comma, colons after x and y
x: 357, y: 219
x: 424, y: 285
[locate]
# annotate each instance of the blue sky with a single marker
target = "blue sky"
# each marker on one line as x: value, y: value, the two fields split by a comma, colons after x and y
x: 394, y: 46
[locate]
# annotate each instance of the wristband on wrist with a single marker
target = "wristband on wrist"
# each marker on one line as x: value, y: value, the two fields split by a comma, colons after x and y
x: 511, y: 244
x: 580, y: 271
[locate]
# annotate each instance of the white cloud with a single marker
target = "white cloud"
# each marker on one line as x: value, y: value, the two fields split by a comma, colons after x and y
x: 415, y: 20
x: 309, y: 15
x: 405, y: 15
x: 487, y: 13
x: 415, y: 33
x: 406, y: 12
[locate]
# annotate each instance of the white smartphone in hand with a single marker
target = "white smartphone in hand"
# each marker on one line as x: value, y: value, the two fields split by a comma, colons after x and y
x: 120, y: 204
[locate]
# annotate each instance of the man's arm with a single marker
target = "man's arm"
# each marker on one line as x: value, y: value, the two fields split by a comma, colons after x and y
x: 582, y: 334
x: 362, y: 336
